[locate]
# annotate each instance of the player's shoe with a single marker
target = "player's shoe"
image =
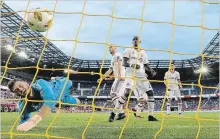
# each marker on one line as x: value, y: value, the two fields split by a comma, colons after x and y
x: 180, y: 114
x: 151, y: 118
x: 134, y: 110
x: 121, y: 116
x: 111, y: 117
x: 139, y: 116
x: 135, y: 114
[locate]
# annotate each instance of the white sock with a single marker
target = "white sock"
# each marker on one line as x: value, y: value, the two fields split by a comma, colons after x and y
x: 139, y: 108
x: 119, y: 105
x: 179, y: 107
x: 114, y: 100
x: 115, y: 103
x: 150, y: 104
x: 168, y: 108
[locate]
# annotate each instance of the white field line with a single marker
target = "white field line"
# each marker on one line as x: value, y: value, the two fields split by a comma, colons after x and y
x: 118, y: 127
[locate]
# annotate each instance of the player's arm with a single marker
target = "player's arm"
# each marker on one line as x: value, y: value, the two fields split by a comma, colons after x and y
x: 25, y: 114
x: 178, y: 79
x: 47, y: 94
x: 111, y: 77
x: 119, y: 65
x: 126, y: 63
x: 165, y: 78
x: 147, y: 67
x: 107, y: 73
x: 29, y: 123
x: 126, y: 58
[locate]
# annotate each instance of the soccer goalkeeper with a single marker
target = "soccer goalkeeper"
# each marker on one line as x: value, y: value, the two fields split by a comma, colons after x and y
x: 41, y: 90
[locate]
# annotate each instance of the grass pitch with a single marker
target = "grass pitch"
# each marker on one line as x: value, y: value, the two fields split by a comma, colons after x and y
x: 72, y: 125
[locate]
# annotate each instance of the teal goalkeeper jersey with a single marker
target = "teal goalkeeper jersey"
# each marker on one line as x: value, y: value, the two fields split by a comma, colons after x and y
x: 46, y: 91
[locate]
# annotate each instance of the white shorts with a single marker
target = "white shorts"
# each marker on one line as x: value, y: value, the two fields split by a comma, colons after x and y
x: 173, y: 93
x: 143, y: 85
x: 117, y: 88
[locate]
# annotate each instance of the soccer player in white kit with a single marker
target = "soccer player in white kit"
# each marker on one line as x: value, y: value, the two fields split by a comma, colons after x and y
x: 174, y: 85
x: 131, y: 60
x: 118, y: 84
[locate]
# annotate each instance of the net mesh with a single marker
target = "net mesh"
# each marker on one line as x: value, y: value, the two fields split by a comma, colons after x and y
x: 141, y: 19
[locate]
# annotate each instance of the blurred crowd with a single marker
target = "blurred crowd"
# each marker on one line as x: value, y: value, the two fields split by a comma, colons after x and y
x: 89, y: 88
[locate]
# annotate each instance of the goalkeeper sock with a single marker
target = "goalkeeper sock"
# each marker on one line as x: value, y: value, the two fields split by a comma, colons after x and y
x: 179, y: 107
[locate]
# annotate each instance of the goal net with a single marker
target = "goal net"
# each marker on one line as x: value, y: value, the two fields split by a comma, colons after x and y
x: 88, y: 129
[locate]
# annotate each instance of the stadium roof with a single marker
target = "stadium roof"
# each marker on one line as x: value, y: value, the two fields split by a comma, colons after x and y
x: 32, y: 43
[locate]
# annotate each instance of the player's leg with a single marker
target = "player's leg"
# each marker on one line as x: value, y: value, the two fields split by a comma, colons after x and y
x: 135, y: 109
x: 121, y: 103
x: 114, y: 96
x: 151, y: 103
x: 140, y: 105
x: 121, y: 92
x: 124, y: 97
x: 138, y: 109
x: 146, y: 86
x: 144, y: 100
x: 168, y: 106
x: 177, y: 94
x: 169, y: 101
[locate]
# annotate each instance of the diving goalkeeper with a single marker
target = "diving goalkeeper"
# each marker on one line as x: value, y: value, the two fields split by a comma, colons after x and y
x: 41, y: 90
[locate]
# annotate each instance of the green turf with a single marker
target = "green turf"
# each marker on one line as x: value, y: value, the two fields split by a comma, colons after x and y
x: 71, y: 125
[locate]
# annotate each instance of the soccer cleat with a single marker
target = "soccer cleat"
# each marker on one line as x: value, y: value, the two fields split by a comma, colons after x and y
x: 111, y: 117
x: 121, y: 116
x: 133, y: 109
x: 151, y: 118
x: 138, y: 116
x: 180, y: 114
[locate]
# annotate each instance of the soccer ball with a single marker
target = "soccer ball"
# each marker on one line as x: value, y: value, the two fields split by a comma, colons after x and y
x: 39, y: 19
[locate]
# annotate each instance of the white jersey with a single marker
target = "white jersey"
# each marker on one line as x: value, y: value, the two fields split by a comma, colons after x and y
x: 142, y: 59
x: 173, y: 80
x: 114, y: 65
